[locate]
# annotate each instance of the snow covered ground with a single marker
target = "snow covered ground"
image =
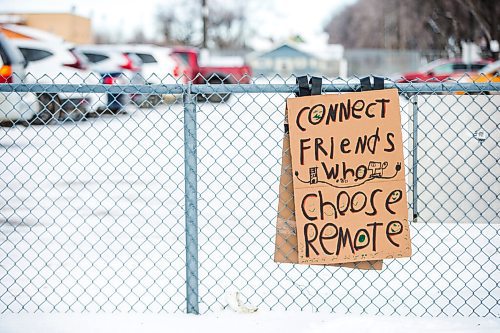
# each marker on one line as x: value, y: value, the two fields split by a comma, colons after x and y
x: 92, y: 219
x: 262, y: 322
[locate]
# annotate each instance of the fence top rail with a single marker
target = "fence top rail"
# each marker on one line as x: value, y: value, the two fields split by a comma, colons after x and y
x: 414, y: 88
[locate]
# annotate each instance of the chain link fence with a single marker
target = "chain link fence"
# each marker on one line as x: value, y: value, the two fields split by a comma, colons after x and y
x: 168, y: 203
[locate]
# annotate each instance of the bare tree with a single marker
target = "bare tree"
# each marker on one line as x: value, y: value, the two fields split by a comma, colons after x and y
x: 139, y: 37
x: 412, y: 24
x: 102, y: 38
x: 226, y: 26
x: 180, y: 23
x: 175, y: 27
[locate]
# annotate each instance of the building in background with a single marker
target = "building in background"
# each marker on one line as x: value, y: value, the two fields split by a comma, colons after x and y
x: 382, y: 62
x: 70, y: 27
x: 300, y: 59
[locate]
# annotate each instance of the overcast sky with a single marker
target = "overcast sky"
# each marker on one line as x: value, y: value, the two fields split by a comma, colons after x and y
x: 268, y: 18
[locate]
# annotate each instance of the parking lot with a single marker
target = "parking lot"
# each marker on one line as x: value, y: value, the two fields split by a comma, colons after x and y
x: 92, y: 214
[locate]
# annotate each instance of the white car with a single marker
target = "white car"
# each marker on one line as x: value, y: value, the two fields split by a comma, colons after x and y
x: 104, y: 59
x: 59, y: 63
x: 15, y: 106
x: 115, y: 66
x: 158, y: 64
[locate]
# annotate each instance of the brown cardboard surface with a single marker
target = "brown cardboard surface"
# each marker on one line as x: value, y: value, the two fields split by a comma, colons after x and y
x: 286, y: 228
x: 351, y: 201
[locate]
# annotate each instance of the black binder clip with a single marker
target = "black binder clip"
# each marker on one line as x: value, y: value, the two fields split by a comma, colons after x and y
x: 366, y: 84
x: 311, y: 88
x: 304, y: 88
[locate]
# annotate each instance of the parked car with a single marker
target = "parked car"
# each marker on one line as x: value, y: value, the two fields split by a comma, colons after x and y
x: 58, y: 63
x: 159, y: 66
x: 158, y: 63
x: 115, y: 67
x: 216, y: 73
x: 441, y: 70
x: 16, y: 106
x: 489, y: 73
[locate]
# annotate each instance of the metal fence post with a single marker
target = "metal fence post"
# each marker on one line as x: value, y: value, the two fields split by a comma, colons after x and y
x: 190, y: 201
x: 414, y: 102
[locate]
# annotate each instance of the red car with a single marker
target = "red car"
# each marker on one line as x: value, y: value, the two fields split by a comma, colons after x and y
x: 221, y: 74
x: 441, y: 70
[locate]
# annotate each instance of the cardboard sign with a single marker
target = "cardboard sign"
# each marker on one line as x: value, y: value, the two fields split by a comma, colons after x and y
x: 286, y: 229
x: 348, y: 177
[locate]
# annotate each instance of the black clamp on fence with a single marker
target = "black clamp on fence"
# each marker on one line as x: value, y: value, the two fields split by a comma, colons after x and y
x: 366, y: 84
x: 313, y: 87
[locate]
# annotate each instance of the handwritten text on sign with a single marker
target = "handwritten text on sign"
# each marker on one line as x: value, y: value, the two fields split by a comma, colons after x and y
x: 349, y: 179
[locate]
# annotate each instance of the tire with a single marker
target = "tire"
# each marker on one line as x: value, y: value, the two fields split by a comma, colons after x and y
x: 477, y: 93
x: 152, y: 101
x: 115, y: 104
x: 7, y: 123
x: 50, y: 109
x: 215, y: 97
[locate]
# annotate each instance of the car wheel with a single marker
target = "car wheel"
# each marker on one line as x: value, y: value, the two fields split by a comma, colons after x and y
x: 151, y: 101
x: 7, y: 123
x: 49, y: 110
x: 215, y: 97
x: 115, y: 104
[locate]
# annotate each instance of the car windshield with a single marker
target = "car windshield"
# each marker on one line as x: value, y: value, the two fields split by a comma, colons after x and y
x: 490, y: 68
x: 183, y: 57
x: 33, y: 54
x: 444, y: 69
x: 431, y: 65
x: 146, y: 58
x: 94, y: 57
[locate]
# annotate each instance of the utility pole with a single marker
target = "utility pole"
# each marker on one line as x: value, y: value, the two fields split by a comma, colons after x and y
x: 399, y: 42
x: 204, y: 14
x: 471, y: 40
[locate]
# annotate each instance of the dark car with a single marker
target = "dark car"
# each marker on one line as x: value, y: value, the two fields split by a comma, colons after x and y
x: 441, y: 70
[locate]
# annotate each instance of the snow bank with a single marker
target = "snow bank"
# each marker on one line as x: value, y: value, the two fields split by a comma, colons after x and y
x: 242, y: 323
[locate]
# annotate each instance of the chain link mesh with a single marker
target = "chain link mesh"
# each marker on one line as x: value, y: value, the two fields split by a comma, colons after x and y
x: 92, y: 211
